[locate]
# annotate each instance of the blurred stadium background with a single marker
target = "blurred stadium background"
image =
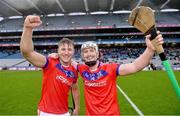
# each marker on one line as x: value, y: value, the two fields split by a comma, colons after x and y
x: 103, y: 21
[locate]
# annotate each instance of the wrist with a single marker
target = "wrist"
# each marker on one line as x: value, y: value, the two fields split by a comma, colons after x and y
x: 150, y: 50
x: 27, y: 28
x: 76, y: 109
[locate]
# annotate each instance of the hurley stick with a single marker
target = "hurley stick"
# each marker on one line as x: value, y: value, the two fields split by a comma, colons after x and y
x: 143, y: 19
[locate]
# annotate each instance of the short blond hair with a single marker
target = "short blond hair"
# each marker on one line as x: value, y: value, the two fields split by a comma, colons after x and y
x: 66, y: 41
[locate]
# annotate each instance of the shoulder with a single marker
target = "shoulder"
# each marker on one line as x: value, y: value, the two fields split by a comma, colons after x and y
x: 109, y: 64
x: 50, y: 61
x: 71, y: 67
x: 81, y: 66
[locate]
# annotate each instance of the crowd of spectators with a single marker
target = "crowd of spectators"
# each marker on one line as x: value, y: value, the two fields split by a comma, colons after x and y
x: 118, y: 54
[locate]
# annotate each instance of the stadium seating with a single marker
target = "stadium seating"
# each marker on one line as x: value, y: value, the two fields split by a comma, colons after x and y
x: 59, y: 22
x: 110, y: 54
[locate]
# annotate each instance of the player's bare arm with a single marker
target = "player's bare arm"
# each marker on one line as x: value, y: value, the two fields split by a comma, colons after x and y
x: 26, y: 43
x: 143, y: 60
x: 76, y: 96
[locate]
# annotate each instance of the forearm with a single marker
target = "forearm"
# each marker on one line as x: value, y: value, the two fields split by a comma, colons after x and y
x: 143, y: 60
x: 26, y: 43
x: 76, y: 97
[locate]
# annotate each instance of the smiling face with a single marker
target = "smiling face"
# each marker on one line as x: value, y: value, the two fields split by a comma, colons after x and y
x: 66, y: 51
x: 89, y: 54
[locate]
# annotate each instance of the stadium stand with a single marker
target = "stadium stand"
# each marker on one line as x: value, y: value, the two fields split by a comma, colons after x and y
x: 118, y: 54
x: 118, y: 41
x: 65, y: 22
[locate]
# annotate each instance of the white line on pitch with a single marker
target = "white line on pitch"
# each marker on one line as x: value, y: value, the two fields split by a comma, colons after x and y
x: 131, y: 103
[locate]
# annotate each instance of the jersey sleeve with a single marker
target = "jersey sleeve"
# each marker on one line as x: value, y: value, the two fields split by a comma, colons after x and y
x: 115, y: 67
x: 46, y: 64
x: 117, y: 70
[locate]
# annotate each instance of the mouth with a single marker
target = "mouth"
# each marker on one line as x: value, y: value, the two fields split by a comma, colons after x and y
x: 66, y: 57
x: 90, y: 58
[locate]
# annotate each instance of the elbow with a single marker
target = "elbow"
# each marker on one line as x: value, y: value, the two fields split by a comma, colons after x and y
x: 139, y: 67
x: 136, y: 67
x: 25, y: 53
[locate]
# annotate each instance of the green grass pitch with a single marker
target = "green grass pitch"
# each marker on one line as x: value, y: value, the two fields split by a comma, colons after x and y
x: 151, y: 91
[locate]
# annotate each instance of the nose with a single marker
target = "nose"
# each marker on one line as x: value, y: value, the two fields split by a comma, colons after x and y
x: 66, y: 52
x: 89, y: 54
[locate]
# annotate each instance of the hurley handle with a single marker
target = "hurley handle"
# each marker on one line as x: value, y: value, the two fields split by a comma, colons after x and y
x: 159, y: 48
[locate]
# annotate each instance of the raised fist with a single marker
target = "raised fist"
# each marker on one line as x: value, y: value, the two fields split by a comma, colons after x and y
x: 158, y: 41
x: 32, y: 21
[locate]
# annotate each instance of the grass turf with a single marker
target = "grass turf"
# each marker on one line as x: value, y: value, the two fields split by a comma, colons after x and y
x: 152, y: 92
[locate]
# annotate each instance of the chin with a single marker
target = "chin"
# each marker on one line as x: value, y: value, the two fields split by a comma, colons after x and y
x: 66, y: 61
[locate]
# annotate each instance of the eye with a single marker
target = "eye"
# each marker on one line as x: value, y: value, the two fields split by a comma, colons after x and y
x: 63, y: 49
x: 85, y: 51
x: 91, y: 50
x: 70, y: 49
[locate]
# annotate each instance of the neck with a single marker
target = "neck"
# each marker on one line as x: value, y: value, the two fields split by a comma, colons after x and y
x: 94, y: 68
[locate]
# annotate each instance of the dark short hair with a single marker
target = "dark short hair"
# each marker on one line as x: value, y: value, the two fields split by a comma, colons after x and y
x: 66, y: 41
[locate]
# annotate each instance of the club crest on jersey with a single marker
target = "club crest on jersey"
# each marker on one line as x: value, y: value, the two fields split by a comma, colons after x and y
x: 94, y: 76
x: 68, y: 73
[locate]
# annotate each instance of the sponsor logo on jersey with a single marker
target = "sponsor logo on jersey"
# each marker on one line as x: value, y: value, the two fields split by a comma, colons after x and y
x: 94, y: 76
x: 64, y: 80
x: 96, y: 84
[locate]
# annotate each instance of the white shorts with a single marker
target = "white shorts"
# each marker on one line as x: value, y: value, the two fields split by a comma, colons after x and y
x: 41, y: 113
